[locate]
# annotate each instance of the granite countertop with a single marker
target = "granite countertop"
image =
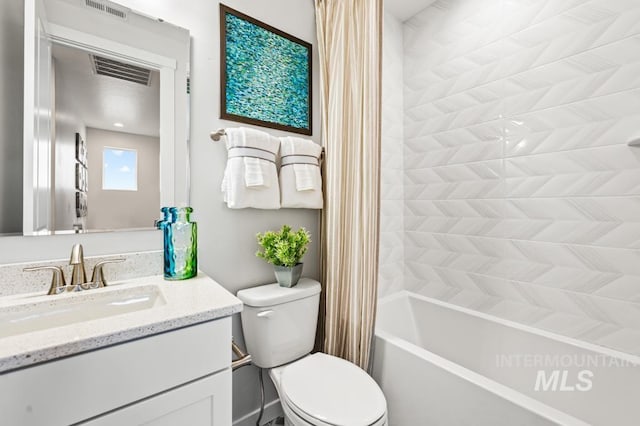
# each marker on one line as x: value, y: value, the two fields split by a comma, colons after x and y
x: 176, y: 304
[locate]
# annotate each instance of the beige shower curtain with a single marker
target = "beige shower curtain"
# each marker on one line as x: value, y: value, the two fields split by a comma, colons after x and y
x: 349, y: 40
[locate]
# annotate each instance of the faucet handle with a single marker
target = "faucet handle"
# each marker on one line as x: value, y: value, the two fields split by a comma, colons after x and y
x: 58, y: 284
x: 97, y: 278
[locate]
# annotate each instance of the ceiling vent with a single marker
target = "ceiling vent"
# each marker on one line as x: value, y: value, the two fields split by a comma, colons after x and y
x: 121, y: 70
x: 107, y: 8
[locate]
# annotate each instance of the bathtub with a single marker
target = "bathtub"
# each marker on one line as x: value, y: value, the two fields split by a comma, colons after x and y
x: 440, y: 364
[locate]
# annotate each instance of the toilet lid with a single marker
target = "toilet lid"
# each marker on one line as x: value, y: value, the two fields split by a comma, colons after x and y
x: 332, y: 390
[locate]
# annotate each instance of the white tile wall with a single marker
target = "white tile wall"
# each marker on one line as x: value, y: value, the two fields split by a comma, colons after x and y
x: 391, y: 210
x: 521, y: 197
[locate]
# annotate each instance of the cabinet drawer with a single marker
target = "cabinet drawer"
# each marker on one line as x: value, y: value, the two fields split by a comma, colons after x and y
x: 79, y: 387
x: 205, y: 402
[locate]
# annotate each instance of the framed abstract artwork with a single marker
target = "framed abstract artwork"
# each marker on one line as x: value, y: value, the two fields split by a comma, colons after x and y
x: 265, y: 74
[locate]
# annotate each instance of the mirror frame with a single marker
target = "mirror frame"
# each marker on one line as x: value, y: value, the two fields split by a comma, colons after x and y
x: 174, y: 189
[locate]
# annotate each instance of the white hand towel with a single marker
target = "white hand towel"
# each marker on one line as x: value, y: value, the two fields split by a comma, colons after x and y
x: 252, y: 168
x: 305, y: 177
x: 253, y: 173
x: 225, y: 182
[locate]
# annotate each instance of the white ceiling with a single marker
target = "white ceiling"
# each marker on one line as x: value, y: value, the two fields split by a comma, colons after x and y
x: 101, y: 101
x: 405, y: 9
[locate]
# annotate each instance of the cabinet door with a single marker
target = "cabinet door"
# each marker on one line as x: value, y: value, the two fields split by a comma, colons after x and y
x: 108, y: 379
x: 205, y: 402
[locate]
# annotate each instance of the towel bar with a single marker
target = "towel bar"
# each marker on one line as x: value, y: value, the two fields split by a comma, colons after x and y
x: 215, y: 136
x: 243, y: 358
x: 218, y: 134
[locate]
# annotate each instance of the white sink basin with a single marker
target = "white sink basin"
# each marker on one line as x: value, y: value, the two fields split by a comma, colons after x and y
x: 66, y: 309
x: 35, y: 328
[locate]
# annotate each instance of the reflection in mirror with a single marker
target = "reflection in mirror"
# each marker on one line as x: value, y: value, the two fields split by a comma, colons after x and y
x: 105, y: 112
x: 105, y: 101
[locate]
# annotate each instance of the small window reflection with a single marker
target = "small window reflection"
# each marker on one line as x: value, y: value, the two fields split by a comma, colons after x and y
x: 119, y: 169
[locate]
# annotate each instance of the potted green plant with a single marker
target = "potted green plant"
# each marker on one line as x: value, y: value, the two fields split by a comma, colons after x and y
x: 284, y: 249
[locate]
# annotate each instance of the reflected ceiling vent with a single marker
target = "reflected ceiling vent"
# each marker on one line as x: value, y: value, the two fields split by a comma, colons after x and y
x: 107, y: 7
x: 120, y: 70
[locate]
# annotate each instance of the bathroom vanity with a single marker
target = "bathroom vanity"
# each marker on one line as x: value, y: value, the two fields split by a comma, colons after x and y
x: 141, y: 351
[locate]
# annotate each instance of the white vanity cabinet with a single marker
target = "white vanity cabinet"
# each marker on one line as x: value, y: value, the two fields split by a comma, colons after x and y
x: 178, y: 377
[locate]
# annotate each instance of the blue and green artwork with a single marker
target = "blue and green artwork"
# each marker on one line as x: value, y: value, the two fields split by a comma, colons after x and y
x: 267, y: 75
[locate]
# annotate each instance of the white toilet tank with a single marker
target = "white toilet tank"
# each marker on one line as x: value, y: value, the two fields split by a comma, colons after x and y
x: 279, y: 323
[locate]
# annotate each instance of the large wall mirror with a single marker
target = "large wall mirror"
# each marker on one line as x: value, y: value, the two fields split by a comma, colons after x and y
x: 105, y: 118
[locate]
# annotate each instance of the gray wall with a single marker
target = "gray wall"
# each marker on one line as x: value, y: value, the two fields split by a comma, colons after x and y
x: 11, y: 76
x: 68, y: 122
x: 226, y: 237
x: 123, y: 209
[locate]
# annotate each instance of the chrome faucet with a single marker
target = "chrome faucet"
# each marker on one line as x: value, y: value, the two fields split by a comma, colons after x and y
x: 78, y: 274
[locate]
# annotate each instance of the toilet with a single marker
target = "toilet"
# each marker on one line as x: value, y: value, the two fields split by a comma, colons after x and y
x: 279, y: 325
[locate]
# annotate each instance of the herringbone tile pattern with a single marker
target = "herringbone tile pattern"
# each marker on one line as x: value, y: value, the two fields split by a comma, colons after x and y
x: 521, y: 196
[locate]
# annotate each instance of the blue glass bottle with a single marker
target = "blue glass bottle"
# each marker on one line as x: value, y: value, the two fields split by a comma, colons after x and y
x: 163, y: 225
x: 166, y: 218
x: 180, y: 245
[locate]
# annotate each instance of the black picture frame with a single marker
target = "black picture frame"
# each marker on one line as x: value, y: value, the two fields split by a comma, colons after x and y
x: 82, y: 183
x: 81, y: 150
x: 255, y: 91
x: 81, y: 204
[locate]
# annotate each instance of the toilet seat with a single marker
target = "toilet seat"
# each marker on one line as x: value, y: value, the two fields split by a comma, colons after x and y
x: 297, y: 419
x: 328, y: 391
x: 291, y: 413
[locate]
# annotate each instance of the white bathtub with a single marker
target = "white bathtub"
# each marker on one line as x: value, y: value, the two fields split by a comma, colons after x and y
x: 439, y: 364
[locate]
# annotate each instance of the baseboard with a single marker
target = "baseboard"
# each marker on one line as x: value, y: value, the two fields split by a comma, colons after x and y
x: 272, y: 410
